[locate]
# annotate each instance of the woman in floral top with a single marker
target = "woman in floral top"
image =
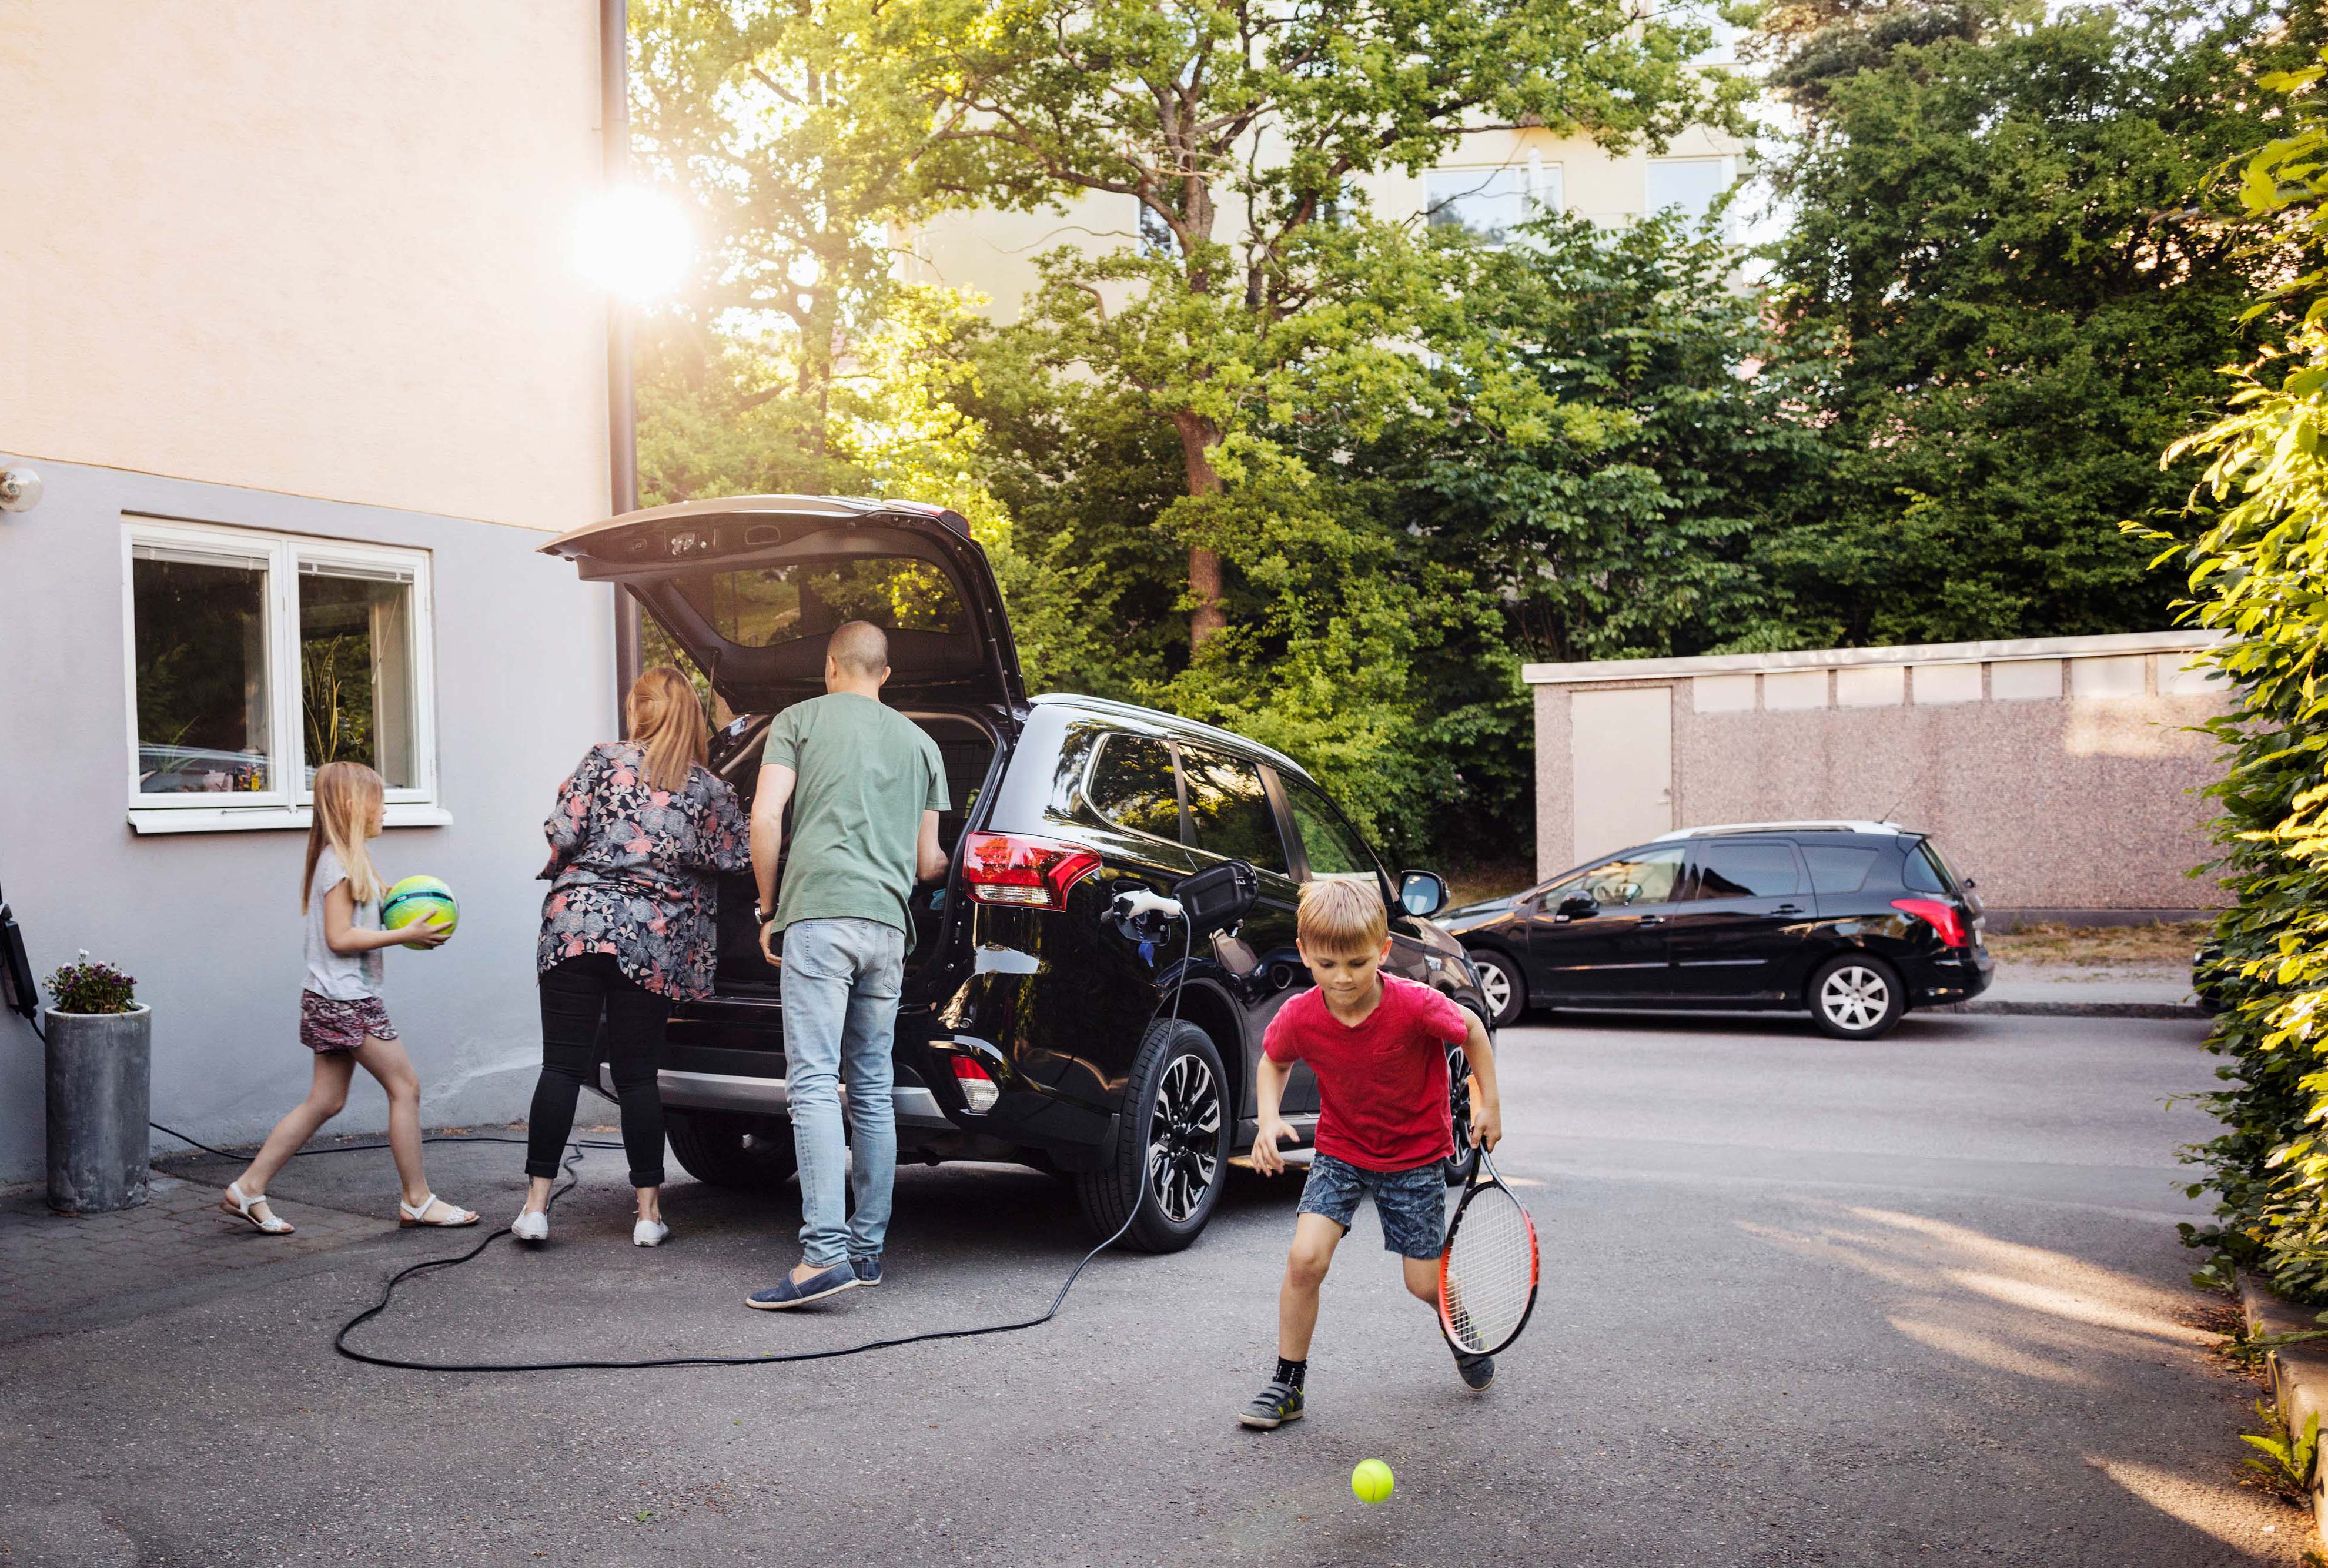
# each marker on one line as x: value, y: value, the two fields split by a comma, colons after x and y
x: 629, y: 927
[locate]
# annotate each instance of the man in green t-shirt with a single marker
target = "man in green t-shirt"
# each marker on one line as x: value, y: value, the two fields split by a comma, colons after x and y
x: 866, y: 786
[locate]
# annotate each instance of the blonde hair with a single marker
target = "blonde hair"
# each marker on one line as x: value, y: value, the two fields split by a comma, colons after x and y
x: 1342, y: 915
x: 345, y: 794
x: 666, y: 720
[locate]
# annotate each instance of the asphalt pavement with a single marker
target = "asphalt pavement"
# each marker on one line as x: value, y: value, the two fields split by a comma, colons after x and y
x: 1918, y: 1302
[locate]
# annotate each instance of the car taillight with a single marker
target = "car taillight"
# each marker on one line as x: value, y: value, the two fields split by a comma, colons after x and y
x: 978, y: 1091
x: 1032, y: 873
x: 1944, y: 918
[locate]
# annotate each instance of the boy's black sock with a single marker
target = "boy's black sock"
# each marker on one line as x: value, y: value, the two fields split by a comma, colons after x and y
x: 1291, y: 1372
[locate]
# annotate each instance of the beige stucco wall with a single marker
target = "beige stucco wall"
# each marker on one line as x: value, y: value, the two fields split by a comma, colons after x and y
x: 2084, y: 800
x: 994, y: 253
x: 323, y: 249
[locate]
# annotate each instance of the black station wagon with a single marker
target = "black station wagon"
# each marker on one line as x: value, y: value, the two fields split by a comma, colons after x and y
x: 1033, y: 1027
x: 1856, y: 922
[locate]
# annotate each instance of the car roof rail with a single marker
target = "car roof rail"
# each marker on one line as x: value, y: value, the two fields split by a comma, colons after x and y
x: 1824, y: 825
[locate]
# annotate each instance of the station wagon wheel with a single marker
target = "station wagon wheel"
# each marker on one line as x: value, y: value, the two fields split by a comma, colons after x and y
x: 1856, y: 997
x: 1172, y: 1155
x: 1501, y: 986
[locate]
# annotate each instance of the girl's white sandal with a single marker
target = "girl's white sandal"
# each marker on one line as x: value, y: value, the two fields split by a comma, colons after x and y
x: 408, y: 1215
x: 234, y: 1203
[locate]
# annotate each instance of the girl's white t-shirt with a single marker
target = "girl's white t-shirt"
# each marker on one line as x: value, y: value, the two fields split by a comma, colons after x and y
x: 340, y: 976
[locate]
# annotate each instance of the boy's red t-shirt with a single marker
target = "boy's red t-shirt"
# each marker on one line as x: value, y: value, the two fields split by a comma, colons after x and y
x: 1381, y: 1086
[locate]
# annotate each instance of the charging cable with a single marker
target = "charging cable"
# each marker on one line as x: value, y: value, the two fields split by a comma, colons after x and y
x: 1149, y: 907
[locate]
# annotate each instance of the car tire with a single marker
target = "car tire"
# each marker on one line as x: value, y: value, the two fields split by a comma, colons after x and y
x: 722, y: 1149
x: 1856, y: 996
x: 1459, y: 1166
x: 1172, y: 1158
x: 1501, y: 985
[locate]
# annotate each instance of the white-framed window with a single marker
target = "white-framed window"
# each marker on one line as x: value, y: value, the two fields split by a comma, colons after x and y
x: 255, y: 658
x: 1492, y: 202
x: 1692, y: 184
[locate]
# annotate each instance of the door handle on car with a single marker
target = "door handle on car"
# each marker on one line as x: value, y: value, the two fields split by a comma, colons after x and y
x: 1652, y: 920
x: 1788, y: 910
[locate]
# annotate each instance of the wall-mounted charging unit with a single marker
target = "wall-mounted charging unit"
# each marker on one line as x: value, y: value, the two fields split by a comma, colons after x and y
x: 17, y: 988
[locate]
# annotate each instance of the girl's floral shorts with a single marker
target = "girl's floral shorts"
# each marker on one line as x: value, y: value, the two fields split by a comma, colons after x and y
x: 327, y: 1025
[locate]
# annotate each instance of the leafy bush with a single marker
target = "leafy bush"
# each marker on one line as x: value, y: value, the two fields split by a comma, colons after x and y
x: 2260, y: 572
x: 90, y: 986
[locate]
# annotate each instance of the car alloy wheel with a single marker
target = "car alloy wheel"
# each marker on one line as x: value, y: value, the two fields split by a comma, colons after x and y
x: 1500, y: 987
x: 1184, y: 1138
x: 1459, y: 1110
x: 1856, y: 998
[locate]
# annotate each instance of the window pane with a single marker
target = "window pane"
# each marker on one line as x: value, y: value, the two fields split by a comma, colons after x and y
x: 1489, y: 202
x: 1334, y: 847
x: 1646, y: 877
x: 1746, y: 871
x: 1923, y: 872
x: 760, y: 606
x: 201, y: 638
x: 1692, y: 184
x: 356, y: 672
x: 1131, y: 786
x: 1230, y: 810
x: 1838, y: 870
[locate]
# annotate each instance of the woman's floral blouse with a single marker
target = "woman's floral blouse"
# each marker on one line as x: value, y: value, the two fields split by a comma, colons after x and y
x: 631, y: 870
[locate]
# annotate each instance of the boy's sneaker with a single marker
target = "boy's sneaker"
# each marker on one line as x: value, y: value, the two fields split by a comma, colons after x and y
x: 1478, y: 1371
x: 868, y: 1269
x: 1272, y: 1408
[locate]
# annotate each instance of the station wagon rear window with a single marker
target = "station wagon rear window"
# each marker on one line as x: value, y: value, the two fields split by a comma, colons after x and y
x: 761, y: 606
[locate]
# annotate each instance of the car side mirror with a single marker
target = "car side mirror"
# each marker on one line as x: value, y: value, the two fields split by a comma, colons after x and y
x: 1577, y: 907
x: 1421, y: 894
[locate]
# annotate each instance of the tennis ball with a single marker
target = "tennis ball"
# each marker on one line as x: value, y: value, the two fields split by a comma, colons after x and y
x: 1371, y: 1481
x: 419, y: 898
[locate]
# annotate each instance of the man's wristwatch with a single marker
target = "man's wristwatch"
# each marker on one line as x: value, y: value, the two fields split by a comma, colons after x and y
x: 761, y: 916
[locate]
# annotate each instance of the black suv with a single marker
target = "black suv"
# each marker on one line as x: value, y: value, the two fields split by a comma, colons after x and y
x: 1033, y: 1028
x: 1856, y: 922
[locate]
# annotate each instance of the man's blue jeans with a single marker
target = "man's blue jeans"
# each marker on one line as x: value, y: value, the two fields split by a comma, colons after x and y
x: 840, y: 983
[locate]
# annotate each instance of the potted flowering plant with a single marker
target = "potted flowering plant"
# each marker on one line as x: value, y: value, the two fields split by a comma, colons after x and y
x: 100, y: 1057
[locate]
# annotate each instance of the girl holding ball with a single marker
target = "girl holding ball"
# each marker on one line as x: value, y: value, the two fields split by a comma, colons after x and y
x: 341, y: 1018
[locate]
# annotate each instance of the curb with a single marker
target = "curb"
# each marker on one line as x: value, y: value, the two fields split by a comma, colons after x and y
x: 2299, y: 1373
x: 2079, y: 1009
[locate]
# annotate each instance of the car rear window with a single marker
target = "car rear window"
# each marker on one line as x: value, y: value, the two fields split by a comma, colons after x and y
x: 1926, y: 872
x: 1838, y: 869
x: 1746, y: 869
x: 1132, y: 785
x: 1230, y: 810
x: 761, y: 606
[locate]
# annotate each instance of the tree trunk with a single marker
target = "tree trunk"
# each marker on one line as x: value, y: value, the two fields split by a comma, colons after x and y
x: 1198, y: 437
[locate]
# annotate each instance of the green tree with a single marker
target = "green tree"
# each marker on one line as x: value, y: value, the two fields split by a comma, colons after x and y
x: 2005, y: 254
x: 2259, y: 572
x: 1239, y: 128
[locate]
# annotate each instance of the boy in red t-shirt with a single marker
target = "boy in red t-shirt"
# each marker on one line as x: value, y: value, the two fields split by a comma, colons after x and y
x: 1378, y: 1044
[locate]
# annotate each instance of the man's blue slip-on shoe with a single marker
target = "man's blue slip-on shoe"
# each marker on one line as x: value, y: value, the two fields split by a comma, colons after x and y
x: 790, y: 1292
x: 867, y: 1269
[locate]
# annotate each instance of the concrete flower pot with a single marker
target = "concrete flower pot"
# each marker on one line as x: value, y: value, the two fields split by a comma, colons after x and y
x: 101, y: 1094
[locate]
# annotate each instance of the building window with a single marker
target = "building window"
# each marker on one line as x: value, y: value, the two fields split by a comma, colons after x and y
x: 256, y: 658
x: 1692, y: 184
x: 1490, y: 203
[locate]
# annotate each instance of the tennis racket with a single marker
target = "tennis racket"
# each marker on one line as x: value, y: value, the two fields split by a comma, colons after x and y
x: 1488, y: 1274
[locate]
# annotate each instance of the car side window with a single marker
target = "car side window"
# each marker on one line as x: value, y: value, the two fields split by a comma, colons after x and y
x: 1836, y: 869
x: 1638, y: 877
x: 1746, y: 868
x: 1132, y: 785
x: 1229, y: 808
x: 1923, y: 874
x: 1333, y: 847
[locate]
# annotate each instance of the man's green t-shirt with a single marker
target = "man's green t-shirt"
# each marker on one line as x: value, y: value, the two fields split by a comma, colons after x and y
x: 866, y: 773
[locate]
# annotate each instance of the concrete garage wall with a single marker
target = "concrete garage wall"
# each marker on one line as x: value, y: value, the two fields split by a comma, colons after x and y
x: 209, y: 922
x: 2061, y: 772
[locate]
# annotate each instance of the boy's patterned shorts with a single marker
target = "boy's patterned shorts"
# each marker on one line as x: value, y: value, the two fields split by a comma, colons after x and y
x: 1410, y: 1204
x: 329, y: 1025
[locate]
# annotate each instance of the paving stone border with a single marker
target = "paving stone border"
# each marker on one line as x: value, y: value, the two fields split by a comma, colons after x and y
x: 2299, y: 1373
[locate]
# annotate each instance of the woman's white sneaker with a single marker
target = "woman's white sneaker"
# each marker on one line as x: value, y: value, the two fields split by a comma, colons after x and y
x: 649, y: 1233
x: 532, y: 1225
